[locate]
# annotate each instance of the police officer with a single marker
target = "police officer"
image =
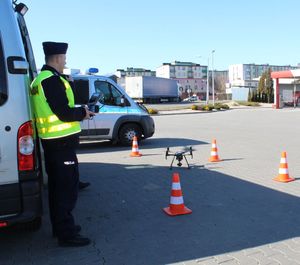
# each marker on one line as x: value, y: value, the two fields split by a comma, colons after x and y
x: 57, y: 121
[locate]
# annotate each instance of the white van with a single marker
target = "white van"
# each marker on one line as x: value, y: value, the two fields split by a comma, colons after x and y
x: 20, y: 174
x: 118, y: 118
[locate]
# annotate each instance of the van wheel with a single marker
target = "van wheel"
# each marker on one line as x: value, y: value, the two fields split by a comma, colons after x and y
x: 127, y: 132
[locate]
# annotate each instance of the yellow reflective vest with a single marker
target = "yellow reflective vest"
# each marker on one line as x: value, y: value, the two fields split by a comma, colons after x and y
x: 48, y: 124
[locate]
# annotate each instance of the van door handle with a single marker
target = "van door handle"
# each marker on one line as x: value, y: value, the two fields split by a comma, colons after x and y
x: 17, y: 65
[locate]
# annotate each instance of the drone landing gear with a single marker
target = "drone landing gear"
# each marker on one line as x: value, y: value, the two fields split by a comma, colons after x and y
x: 179, y: 162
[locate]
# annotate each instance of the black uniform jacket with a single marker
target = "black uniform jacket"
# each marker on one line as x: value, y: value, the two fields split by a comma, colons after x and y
x: 54, y: 90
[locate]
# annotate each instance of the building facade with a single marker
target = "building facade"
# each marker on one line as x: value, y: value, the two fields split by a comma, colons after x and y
x: 191, y: 77
x: 246, y: 75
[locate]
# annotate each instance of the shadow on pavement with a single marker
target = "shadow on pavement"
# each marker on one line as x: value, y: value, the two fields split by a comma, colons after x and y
x: 229, y: 214
x: 107, y: 146
x: 122, y: 213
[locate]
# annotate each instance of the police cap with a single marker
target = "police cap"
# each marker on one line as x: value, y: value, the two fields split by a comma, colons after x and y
x: 51, y: 48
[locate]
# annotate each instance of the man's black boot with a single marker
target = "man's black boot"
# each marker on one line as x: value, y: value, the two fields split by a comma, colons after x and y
x: 75, y: 241
x: 83, y: 185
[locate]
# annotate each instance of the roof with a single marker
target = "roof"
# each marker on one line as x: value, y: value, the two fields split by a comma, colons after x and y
x: 286, y: 74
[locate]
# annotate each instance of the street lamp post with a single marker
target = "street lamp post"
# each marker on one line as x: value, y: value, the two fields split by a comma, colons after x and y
x: 212, y: 76
x: 207, y: 82
x: 295, y: 88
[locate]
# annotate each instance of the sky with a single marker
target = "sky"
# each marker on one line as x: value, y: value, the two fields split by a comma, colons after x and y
x: 111, y: 35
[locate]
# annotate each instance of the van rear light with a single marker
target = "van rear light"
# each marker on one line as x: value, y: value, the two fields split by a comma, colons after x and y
x: 3, y: 224
x: 25, y: 147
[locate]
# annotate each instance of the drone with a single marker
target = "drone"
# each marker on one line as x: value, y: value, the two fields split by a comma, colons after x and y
x: 179, y: 156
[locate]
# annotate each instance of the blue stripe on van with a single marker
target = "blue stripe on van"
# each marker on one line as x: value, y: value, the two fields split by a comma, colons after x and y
x: 116, y: 109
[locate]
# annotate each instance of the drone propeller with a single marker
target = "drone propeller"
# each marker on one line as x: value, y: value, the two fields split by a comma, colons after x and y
x: 187, y: 149
x: 167, y: 152
x: 191, y: 151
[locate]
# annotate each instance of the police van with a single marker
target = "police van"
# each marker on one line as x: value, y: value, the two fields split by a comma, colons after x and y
x: 118, y: 117
x: 20, y: 171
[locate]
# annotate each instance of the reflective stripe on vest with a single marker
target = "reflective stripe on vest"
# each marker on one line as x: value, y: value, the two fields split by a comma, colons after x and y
x: 48, y: 124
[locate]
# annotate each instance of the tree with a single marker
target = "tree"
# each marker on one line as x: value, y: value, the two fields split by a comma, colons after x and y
x: 250, y: 95
x: 220, y: 84
x: 254, y: 96
x: 261, y: 84
x: 269, y: 89
x: 265, y: 86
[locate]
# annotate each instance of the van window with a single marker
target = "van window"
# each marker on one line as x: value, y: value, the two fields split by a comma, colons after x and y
x: 3, y: 77
x: 81, y: 91
x: 111, y: 95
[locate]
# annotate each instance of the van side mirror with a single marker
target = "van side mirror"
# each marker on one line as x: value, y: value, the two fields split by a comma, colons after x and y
x: 122, y: 103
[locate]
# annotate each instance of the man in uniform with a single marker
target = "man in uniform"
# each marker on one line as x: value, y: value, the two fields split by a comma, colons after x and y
x: 57, y: 121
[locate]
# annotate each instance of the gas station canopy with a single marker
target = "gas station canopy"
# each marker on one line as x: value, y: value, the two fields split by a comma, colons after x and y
x: 282, y: 74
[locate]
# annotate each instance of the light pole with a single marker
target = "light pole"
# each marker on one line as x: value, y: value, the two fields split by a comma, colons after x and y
x: 207, y: 81
x: 212, y: 76
x: 295, y: 88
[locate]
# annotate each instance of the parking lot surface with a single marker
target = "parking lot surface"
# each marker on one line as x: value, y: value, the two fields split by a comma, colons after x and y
x: 240, y: 214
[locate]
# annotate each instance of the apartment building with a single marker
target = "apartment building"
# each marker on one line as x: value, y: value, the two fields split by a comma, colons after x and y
x: 191, y: 77
x: 246, y: 75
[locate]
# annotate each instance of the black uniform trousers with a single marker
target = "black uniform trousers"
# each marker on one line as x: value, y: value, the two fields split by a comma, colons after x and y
x: 63, y: 177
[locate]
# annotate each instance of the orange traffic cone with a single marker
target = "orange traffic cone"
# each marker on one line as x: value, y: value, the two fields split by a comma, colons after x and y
x: 283, y: 175
x: 214, y: 152
x: 176, y: 206
x: 135, y: 149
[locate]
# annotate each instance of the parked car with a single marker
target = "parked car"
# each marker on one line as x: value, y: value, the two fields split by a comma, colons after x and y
x: 191, y: 99
x: 119, y: 118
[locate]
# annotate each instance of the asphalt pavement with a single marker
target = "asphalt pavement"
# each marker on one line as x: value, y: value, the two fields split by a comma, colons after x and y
x: 240, y: 214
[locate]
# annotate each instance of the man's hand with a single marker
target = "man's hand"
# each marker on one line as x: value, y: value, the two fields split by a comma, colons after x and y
x: 88, y: 114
